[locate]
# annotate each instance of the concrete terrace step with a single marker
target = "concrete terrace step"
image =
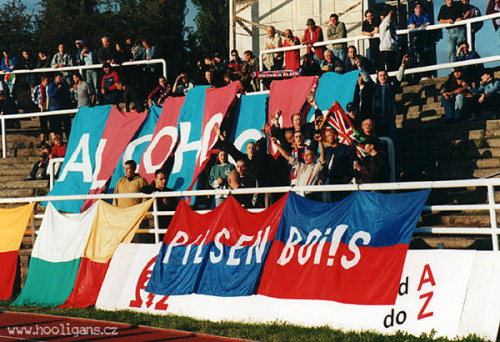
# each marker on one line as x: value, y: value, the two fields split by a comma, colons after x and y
x: 21, y: 184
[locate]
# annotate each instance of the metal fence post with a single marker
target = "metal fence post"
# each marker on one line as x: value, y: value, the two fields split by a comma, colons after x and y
x: 493, y: 217
x: 4, y: 139
x: 155, y: 220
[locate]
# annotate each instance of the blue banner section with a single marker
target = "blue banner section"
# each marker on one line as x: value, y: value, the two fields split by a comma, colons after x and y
x: 335, y: 87
x: 137, y: 146
x: 387, y: 219
x: 75, y: 177
x: 189, y: 144
x: 251, y: 115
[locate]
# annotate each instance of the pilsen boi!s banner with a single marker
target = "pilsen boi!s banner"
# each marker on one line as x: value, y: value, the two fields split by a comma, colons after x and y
x: 102, y: 139
x: 351, y: 251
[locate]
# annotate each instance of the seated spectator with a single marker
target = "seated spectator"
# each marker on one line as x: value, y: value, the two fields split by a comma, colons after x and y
x: 308, y: 172
x: 158, y: 95
x: 313, y: 34
x: 235, y: 63
x: 43, y: 61
x: 384, y: 103
x: 309, y: 67
x: 489, y: 94
x: 162, y: 203
x: 129, y: 96
x: 58, y: 151
x: 292, y: 58
x: 472, y: 12
x: 129, y: 184
x: 273, y: 61
x: 40, y: 164
x: 59, y: 98
x: 250, y: 66
x: 332, y: 63
x: 338, y: 168
x: 353, y: 61
x: 234, y: 182
x: 472, y: 72
x: 370, y: 28
x: 40, y: 97
x: 218, y: 175
x: 455, y: 96
x: 494, y: 7
x: 336, y: 30
x: 182, y: 85
x: 85, y: 95
x: 375, y: 167
x: 108, y: 86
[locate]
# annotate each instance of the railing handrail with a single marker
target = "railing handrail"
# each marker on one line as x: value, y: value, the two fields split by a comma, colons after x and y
x: 86, y: 67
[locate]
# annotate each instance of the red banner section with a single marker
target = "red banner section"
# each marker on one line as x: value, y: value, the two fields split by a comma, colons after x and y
x: 217, y: 102
x: 120, y: 128
x: 164, y: 138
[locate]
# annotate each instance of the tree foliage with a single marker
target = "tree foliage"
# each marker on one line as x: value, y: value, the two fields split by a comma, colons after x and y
x: 212, y: 22
x: 16, y: 26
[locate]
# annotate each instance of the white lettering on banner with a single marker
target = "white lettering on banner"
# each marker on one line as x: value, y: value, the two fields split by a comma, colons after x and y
x: 148, y: 160
x: 175, y: 242
x: 129, y: 151
x: 184, y: 146
x: 97, y: 184
x: 208, y: 133
x: 249, y: 135
x: 317, y: 239
x: 257, y: 247
x: 85, y: 166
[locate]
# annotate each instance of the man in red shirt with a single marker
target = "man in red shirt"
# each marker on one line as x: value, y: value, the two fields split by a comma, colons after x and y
x: 313, y: 34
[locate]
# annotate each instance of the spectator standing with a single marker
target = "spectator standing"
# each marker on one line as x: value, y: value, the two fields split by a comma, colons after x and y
x: 85, y: 95
x: 78, y: 55
x: 108, y: 86
x: 250, y: 66
x: 129, y: 184
x: 43, y: 61
x: 9, y: 63
x: 472, y: 12
x: 235, y: 63
x: 313, y: 34
x: 105, y: 53
x: 234, y: 181
x: 292, y: 58
x: 420, y: 40
x: 337, y: 30
x: 449, y: 13
x: 158, y: 95
x: 332, y: 63
x: 375, y: 167
x: 59, y: 98
x: 363, y: 95
x: 218, y: 175
x: 163, y: 203
x: 40, y: 97
x: 388, y: 42
x: 88, y: 58
x: 370, y: 28
x: 494, y: 7
x: 130, y: 97
x: 273, y: 61
x: 182, y: 85
x: 27, y: 63
x: 62, y: 59
x: 454, y: 96
x: 121, y: 55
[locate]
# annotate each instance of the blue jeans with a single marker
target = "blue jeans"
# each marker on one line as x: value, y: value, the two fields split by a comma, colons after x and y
x: 456, y: 35
x: 453, y: 107
x: 339, y: 53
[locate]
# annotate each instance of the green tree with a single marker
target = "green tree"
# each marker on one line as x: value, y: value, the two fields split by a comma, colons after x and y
x: 212, y: 22
x: 16, y: 26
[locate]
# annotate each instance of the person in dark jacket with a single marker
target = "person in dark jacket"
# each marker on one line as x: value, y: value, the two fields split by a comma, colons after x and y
x: 129, y: 96
x: 163, y: 203
x: 59, y: 98
x: 375, y: 167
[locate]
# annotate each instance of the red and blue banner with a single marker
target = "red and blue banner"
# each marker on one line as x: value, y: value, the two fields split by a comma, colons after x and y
x: 221, y: 253
x: 351, y: 251
x: 164, y: 138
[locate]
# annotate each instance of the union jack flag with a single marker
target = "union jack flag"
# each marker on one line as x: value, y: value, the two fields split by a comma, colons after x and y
x: 337, y: 118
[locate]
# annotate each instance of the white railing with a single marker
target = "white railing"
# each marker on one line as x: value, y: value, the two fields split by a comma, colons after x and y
x: 491, y: 206
x: 357, y: 39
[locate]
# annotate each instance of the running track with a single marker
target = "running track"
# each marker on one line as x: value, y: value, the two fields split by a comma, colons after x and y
x: 16, y: 326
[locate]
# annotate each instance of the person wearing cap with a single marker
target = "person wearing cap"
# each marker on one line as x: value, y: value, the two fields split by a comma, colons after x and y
x: 375, y: 167
x: 489, y: 93
x: 336, y: 30
x: 313, y: 34
x: 455, y: 95
x: 450, y: 13
x: 273, y: 61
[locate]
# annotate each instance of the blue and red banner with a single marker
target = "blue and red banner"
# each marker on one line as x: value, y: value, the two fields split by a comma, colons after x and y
x: 351, y: 251
x: 221, y: 253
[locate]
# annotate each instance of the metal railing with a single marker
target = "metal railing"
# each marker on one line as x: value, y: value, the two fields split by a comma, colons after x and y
x: 468, y: 23
x: 490, y: 206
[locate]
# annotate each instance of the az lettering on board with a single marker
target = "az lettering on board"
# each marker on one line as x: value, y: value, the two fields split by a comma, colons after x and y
x: 427, y: 277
